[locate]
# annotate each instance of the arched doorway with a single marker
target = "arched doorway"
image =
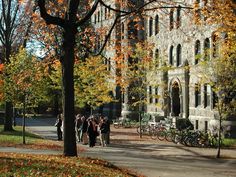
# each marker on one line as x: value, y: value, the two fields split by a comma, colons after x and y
x: 175, y: 95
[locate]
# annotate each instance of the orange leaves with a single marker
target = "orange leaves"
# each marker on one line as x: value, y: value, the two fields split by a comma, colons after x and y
x: 56, y: 165
x: 1, y: 67
x: 60, y: 1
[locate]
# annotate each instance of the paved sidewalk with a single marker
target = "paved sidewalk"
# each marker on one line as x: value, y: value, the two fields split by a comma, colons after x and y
x: 130, y: 138
x: 146, y: 156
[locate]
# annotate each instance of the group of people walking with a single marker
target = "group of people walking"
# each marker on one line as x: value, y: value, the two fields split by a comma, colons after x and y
x: 88, y: 129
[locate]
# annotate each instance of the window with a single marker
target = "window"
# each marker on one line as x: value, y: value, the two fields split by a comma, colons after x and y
x: 95, y: 18
x: 206, y: 49
x: 206, y: 126
x: 171, y: 62
x: 197, y: 51
x: 178, y: 24
x: 109, y: 66
x: 171, y: 19
x: 214, y: 99
x: 196, y: 125
x: 122, y: 30
x: 101, y: 13
x: 156, y: 95
x: 157, y: 58
x: 150, y: 26
x: 207, y: 95
x: 178, y: 55
x: 109, y: 12
x: 156, y: 24
x: 98, y: 16
x: 150, y: 94
x: 105, y: 13
x: 197, y: 95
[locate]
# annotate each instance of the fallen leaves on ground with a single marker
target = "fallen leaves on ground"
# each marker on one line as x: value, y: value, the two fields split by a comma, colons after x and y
x: 14, y: 164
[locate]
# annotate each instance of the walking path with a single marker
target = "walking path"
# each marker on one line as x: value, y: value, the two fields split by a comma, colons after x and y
x: 146, y: 156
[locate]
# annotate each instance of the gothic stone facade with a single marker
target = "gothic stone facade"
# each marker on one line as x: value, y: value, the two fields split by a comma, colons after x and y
x: 178, y: 41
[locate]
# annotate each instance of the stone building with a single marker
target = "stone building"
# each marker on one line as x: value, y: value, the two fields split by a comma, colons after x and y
x: 179, y: 42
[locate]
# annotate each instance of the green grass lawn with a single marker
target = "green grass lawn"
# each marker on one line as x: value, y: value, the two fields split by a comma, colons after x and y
x: 17, y: 164
x: 229, y: 142
x: 15, y: 137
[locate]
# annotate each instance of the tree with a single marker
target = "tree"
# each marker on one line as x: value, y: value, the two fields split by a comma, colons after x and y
x: 23, y: 82
x: 71, y: 21
x: 92, y: 83
x: 221, y: 65
x: 221, y: 78
x: 12, y: 33
x: 142, y: 74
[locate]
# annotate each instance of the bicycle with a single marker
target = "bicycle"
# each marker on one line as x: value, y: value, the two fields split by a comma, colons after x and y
x: 125, y: 123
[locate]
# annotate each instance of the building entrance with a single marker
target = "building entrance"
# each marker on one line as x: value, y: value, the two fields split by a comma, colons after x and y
x: 175, y: 95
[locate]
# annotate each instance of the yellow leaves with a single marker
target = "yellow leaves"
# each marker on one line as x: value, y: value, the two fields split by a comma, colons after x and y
x: 92, y: 84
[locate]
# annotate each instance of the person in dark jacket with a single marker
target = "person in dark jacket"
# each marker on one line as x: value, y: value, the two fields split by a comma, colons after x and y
x: 103, y: 126
x: 92, y: 132
x: 107, y: 136
x: 58, y: 124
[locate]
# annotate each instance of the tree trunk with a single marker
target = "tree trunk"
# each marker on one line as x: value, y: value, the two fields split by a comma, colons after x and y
x: 8, y: 117
x: 8, y: 105
x: 23, y: 121
x: 219, y: 139
x: 67, y: 62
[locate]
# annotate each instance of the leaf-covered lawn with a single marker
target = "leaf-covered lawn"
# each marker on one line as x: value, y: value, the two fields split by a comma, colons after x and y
x: 14, y: 139
x: 15, y: 164
x: 12, y: 164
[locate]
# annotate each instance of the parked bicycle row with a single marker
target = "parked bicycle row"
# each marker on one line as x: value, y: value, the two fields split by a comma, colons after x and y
x: 166, y: 130
x: 186, y: 136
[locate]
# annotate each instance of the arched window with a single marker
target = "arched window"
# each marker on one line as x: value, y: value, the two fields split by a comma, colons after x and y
x: 95, y: 18
x: 157, y: 58
x: 178, y: 17
x: 150, y: 94
x: 105, y: 13
x: 156, y: 24
x: 101, y: 13
x: 171, y: 62
x: 206, y: 49
x: 171, y: 19
x: 150, y: 26
x: 156, y: 94
x: 178, y: 55
x: 207, y: 95
x: 98, y: 16
x: 197, y: 93
x: 197, y: 51
x: 122, y: 30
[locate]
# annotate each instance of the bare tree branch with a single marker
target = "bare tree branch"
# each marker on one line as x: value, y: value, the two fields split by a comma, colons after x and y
x: 109, y: 34
x: 48, y: 18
